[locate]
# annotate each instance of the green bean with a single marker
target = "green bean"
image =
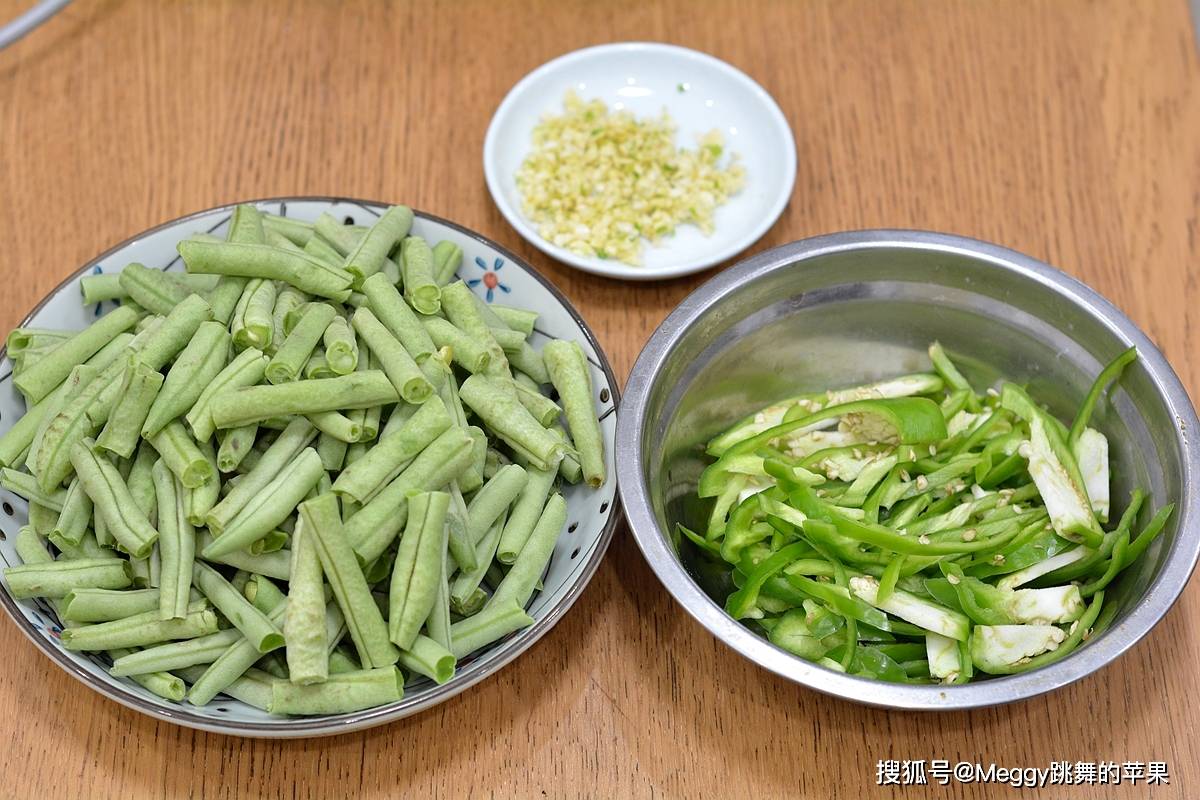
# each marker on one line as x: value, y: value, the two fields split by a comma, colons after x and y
x: 543, y: 409
x: 114, y: 504
x: 252, y: 324
x: 267, y: 509
x: 104, y: 605
x: 87, y: 547
x: 491, y: 501
x: 273, y: 565
x: 332, y: 452
x: 140, y: 630
x: 365, y: 623
x: 518, y: 585
x: 263, y: 261
x: 56, y: 579
x: 319, y: 248
x: 526, y: 513
x: 246, y: 225
x: 341, y: 348
x: 462, y: 549
x: 290, y: 358
x: 276, y: 539
x: 447, y: 258
x: 163, y: 684
x: 151, y: 288
x: 30, y: 547
x: 246, y: 369
x: 257, y: 403
x: 437, y: 624
x: 570, y: 373
x: 236, y: 444
x: 471, y: 355
x: 337, y: 425
x: 387, y: 351
x: 176, y: 543
x: 460, y: 306
x: 317, y: 367
x: 260, y: 631
x: 196, y: 367
x: 140, y: 480
x: 529, y: 362
x: 25, y: 485
x: 294, y: 438
x: 342, y: 693
x: 494, y: 622
x: 429, y: 658
x: 17, y: 440
x: 510, y: 341
x: 389, y: 308
x: 143, y: 571
x: 176, y: 655
x: 41, y: 378
x: 232, y: 664
x: 304, y: 629
x: 22, y: 340
x: 372, y: 248
x: 342, y: 238
x: 70, y: 425
x: 518, y: 319
x: 298, y: 231
x: 509, y: 420
x: 416, y: 267
x: 140, y: 385
x: 75, y: 516
x: 418, y: 567
x: 376, y: 524
x: 182, y: 455
x: 465, y: 586
x: 164, y: 342
x: 225, y: 296
x: 363, y: 479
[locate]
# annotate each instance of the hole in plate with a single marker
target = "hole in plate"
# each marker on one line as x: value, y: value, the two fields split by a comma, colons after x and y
x: 571, y: 528
x: 3, y: 536
x: 604, y: 507
x: 604, y: 395
x: 349, y: 220
x: 574, y: 553
x: 8, y: 509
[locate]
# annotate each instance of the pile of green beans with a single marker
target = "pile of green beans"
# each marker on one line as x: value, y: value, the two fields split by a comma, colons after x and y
x: 313, y: 467
x: 914, y: 530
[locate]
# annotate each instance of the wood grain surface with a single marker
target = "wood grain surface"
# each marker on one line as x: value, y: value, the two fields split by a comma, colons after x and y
x: 1069, y: 130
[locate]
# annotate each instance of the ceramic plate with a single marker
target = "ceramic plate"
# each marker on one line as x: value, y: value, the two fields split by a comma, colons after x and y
x: 700, y: 93
x: 497, y: 276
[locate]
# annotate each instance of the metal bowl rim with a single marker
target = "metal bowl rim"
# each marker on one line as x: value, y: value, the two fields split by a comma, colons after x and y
x: 1156, y: 601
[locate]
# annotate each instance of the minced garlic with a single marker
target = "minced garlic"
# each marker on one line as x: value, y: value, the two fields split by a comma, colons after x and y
x: 597, y: 182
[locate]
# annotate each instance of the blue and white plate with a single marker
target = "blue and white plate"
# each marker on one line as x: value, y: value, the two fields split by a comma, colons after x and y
x: 497, y: 276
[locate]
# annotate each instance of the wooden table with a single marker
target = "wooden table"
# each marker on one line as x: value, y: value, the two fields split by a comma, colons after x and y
x: 1068, y: 130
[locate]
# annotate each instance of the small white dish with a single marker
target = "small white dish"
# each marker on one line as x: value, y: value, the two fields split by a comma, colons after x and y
x: 700, y: 93
x: 495, y: 275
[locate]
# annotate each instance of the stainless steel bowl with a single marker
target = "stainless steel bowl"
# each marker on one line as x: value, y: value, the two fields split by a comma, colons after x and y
x: 849, y: 307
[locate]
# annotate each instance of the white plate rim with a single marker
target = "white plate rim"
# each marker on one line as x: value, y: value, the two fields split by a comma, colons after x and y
x: 616, y: 269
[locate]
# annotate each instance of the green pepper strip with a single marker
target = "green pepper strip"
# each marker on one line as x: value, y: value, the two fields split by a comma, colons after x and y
x: 887, y: 583
x: 1149, y: 534
x: 1088, y: 566
x: 969, y: 591
x: 1110, y: 374
x: 1115, y: 565
x: 916, y: 420
x: 1070, y: 643
x: 739, y: 604
x: 950, y: 374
